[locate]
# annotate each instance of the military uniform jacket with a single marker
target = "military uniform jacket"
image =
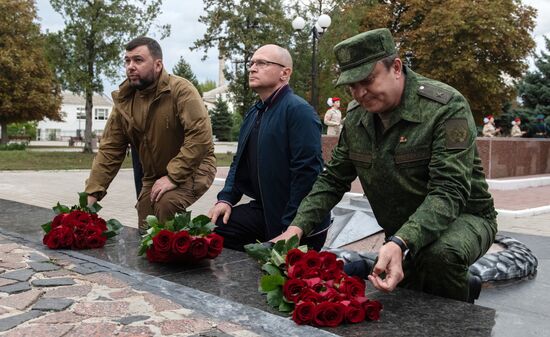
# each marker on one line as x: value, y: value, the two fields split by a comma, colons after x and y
x: 419, y: 175
x: 175, y: 140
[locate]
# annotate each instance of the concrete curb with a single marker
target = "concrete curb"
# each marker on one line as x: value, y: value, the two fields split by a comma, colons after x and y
x: 515, y: 184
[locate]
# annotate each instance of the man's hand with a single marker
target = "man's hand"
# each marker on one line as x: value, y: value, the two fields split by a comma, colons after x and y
x: 91, y: 200
x: 220, y: 209
x: 290, y: 232
x: 390, y: 259
x: 160, y: 187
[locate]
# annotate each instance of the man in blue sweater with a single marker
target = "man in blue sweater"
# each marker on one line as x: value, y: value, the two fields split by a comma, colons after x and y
x: 278, y: 158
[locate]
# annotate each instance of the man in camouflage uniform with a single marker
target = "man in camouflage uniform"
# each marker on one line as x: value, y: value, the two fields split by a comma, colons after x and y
x: 411, y: 142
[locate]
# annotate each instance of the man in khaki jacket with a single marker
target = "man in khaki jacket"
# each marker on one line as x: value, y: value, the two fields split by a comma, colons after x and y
x: 164, y: 118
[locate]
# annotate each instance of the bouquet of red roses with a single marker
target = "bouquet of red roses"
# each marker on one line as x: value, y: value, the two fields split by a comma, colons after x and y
x: 79, y: 226
x: 180, y: 239
x: 312, y: 285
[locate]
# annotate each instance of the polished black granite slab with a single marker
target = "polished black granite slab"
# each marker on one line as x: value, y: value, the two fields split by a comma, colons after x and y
x: 234, y: 276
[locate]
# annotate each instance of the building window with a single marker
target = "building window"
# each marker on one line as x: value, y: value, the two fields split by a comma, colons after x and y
x: 101, y: 114
x: 80, y: 113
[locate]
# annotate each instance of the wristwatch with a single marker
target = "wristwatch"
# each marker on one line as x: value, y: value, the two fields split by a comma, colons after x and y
x: 400, y: 243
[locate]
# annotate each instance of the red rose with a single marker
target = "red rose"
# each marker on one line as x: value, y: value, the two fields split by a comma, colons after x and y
x: 215, y: 245
x: 328, y: 260
x: 353, y: 287
x: 76, y: 217
x: 198, y: 248
x: 294, y: 255
x: 329, y: 314
x: 330, y: 294
x: 297, y: 270
x: 51, y: 240
x: 293, y: 288
x: 154, y: 255
x: 310, y: 295
x: 66, y: 236
x: 303, y: 312
x: 91, y: 229
x: 354, y: 311
x: 58, y: 219
x: 315, y: 283
x: 333, y: 273
x: 95, y: 240
x: 372, y: 310
x: 163, y: 240
x: 312, y: 259
x: 181, y: 242
x: 100, y: 222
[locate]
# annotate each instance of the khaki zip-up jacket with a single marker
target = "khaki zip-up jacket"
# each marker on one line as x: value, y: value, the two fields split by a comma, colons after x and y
x: 176, y: 139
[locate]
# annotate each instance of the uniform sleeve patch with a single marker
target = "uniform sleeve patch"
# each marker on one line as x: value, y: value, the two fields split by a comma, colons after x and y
x: 434, y: 93
x: 456, y: 133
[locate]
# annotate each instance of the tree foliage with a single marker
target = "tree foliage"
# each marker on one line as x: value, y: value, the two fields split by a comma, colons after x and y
x: 237, y: 29
x: 183, y: 69
x: 473, y: 45
x: 207, y: 85
x: 534, y: 89
x: 28, y: 90
x: 90, y: 46
x: 222, y: 121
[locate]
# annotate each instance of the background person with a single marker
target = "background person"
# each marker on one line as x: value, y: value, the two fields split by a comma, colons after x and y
x: 163, y: 117
x: 333, y: 117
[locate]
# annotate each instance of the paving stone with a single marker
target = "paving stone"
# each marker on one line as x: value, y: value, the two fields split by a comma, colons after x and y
x: 101, y: 309
x: 5, y: 248
x: 83, y: 271
x: 189, y: 326
x: 5, y: 282
x: 131, y: 319
x: 58, y: 273
x: 13, y: 321
x: 106, y: 280
x: 53, y: 282
x: 93, y: 329
x: 53, y: 304
x: 95, y: 267
x: 19, y: 275
x: 124, y: 293
x: 22, y: 300
x: 12, y: 257
x: 13, y: 265
x: 15, y: 288
x: 135, y: 331
x: 49, y: 330
x: 80, y: 290
x: 160, y: 303
x: 61, y: 317
x: 212, y: 333
x: 228, y: 327
x: 43, y: 266
x: 38, y: 257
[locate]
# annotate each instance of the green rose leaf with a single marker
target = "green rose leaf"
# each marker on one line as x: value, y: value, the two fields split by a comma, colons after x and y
x: 276, y: 258
x: 83, y: 200
x: 152, y: 221
x: 286, y: 306
x: 58, y: 209
x: 258, y: 251
x: 271, y: 282
x: 271, y: 269
x: 291, y: 243
x: 47, y: 227
x: 275, y: 297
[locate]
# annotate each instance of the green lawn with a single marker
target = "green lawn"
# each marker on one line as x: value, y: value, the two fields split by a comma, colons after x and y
x: 34, y: 160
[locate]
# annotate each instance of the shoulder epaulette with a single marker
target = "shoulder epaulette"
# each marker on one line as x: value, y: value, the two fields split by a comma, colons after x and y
x: 435, y: 93
x: 352, y: 105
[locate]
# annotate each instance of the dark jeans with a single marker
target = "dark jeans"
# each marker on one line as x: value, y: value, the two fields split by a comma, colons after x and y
x: 247, y: 225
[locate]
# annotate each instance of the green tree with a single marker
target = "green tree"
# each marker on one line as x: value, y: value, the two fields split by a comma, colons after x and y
x: 221, y: 120
x: 534, y: 88
x: 473, y: 45
x: 28, y: 90
x: 237, y: 29
x: 183, y: 69
x: 89, y: 48
x: 207, y: 85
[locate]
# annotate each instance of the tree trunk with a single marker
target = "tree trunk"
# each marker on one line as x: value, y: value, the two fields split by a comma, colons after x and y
x: 5, y: 138
x: 88, y: 128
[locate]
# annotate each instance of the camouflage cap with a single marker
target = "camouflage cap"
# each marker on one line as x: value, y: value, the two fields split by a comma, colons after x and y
x: 357, y: 55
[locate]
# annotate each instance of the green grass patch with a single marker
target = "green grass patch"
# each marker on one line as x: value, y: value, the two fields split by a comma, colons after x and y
x: 35, y: 160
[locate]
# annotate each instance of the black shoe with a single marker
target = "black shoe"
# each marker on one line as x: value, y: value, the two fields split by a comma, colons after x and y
x: 361, y: 268
x: 474, y: 286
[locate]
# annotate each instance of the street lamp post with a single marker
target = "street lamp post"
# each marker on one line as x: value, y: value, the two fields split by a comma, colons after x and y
x: 323, y: 22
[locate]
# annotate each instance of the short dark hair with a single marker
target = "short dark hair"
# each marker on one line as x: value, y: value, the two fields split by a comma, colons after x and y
x: 388, y: 61
x: 152, y: 45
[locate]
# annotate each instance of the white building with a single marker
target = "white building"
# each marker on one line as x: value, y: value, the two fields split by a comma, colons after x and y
x: 74, y: 120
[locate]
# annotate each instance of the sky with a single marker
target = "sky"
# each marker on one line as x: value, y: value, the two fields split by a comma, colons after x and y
x: 184, y: 15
